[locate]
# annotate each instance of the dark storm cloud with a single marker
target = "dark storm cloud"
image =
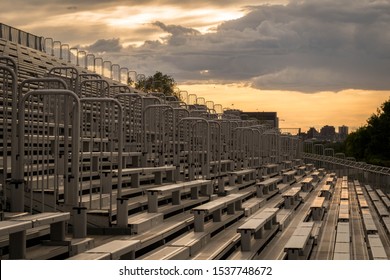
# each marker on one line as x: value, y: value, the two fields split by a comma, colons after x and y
x: 307, y: 46
x: 176, y: 30
x: 103, y: 45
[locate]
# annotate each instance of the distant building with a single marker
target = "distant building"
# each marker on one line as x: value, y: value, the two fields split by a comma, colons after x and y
x: 328, y: 133
x: 343, y: 132
x: 270, y: 118
x: 312, y: 133
x: 232, y: 114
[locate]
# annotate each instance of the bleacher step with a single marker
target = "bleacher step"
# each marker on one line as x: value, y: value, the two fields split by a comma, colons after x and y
x: 144, y: 222
x: 170, y: 253
x: 80, y: 245
x: 193, y: 240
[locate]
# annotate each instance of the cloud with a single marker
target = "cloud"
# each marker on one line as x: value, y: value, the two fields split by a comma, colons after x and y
x: 92, y: 4
x: 176, y: 30
x: 178, y: 34
x: 303, y: 80
x: 308, y: 46
x: 105, y: 45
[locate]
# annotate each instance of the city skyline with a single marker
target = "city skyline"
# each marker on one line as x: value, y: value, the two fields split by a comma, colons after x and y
x: 337, y: 128
x: 313, y: 62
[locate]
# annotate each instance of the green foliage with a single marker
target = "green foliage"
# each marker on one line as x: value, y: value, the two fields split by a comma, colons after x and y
x: 371, y: 143
x: 159, y: 82
x: 338, y: 147
x: 356, y: 143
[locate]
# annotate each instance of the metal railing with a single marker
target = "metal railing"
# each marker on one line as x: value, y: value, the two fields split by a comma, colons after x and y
x: 8, y: 92
x: 49, y: 129
x: 101, y: 141
x: 82, y: 132
x: 18, y: 36
x: 378, y: 176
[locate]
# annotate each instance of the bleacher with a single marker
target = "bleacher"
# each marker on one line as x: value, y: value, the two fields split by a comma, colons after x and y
x: 98, y: 170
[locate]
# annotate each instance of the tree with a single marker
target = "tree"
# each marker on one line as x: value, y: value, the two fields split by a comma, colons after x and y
x: 371, y: 143
x: 356, y: 144
x: 159, y: 82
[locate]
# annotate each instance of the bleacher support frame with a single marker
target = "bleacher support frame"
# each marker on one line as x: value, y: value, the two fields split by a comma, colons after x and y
x: 159, y: 173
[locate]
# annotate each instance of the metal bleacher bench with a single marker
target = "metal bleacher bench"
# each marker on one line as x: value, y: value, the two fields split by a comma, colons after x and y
x: 137, y: 171
x: 343, y: 211
x: 343, y: 240
x: 300, y: 243
x: 368, y: 222
x: 232, y: 202
x: 318, y: 208
x: 225, y: 165
x: 325, y: 191
x: 266, y: 186
x: 175, y: 190
x: 271, y: 169
x: 256, y: 226
x: 377, y: 249
x: 240, y: 174
x: 288, y: 176
x: 291, y: 198
x: 307, y: 184
x: 16, y: 230
x: 386, y: 224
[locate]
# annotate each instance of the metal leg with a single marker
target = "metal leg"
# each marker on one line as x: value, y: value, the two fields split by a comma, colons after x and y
x: 106, y: 182
x: 170, y: 176
x: 79, y: 222
x: 152, y: 202
x: 57, y: 231
x: 231, y: 209
x: 217, y: 215
x: 238, y: 205
x: 221, y: 185
x: 122, y: 212
x: 158, y: 178
x: 259, y: 191
x: 135, y: 183
x: 232, y: 180
x: 198, y: 221
x: 246, y: 238
x: 260, y: 233
x: 17, y: 245
x: 176, y: 198
x: 135, y: 161
x: 194, y: 193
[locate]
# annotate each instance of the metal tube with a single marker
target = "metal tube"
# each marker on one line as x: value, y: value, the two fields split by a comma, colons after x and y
x: 70, y: 194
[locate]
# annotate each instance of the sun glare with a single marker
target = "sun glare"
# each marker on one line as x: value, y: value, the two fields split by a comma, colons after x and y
x: 201, y: 19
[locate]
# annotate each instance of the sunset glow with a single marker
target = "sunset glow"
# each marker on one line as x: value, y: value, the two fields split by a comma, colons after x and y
x: 298, y: 110
x: 314, y: 62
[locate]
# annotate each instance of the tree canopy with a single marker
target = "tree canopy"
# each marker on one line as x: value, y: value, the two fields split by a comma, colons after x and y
x: 159, y: 82
x: 371, y: 142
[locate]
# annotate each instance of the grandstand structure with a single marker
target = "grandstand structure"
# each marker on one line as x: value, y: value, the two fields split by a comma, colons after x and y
x: 94, y: 169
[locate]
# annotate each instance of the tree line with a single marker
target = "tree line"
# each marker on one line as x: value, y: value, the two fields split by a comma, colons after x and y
x: 371, y: 142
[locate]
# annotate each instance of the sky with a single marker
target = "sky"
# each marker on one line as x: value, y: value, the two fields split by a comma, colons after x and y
x: 315, y: 62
